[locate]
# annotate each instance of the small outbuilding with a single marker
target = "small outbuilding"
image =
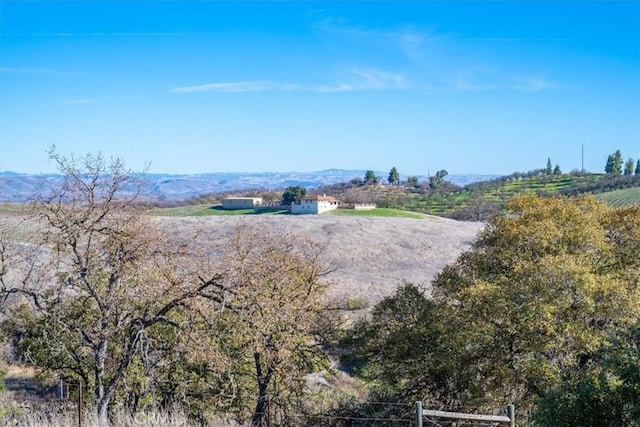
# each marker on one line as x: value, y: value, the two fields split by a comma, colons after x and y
x: 315, y: 205
x: 241, y: 202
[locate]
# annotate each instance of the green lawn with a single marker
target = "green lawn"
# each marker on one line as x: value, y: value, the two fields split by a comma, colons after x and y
x: 11, y: 208
x: 378, y: 212
x: 205, y: 210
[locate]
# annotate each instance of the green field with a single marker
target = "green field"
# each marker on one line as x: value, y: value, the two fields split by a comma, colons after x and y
x: 206, y: 210
x: 439, y: 203
x: 11, y: 208
x: 378, y: 212
x: 620, y: 198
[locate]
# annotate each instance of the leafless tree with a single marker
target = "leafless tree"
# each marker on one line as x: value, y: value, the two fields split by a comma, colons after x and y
x: 98, y: 275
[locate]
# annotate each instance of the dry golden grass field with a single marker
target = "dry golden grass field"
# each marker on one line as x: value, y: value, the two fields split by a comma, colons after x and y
x: 370, y: 255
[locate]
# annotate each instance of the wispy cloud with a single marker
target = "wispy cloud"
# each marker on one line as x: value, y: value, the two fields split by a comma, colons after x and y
x: 475, y: 81
x: 442, y: 58
x: 245, y: 86
x: 538, y: 84
x: 367, y: 79
x: 360, y: 80
x: 79, y: 101
x: 355, y: 80
x: 409, y: 38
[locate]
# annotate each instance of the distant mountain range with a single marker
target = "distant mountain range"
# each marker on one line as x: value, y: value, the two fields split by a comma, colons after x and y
x: 18, y: 187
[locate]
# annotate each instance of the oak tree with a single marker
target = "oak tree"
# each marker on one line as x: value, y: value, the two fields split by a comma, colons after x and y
x: 541, y: 290
x: 532, y: 304
x: 86, y: 290
x: 606, y: 392
x: 272, y: 298
x: 293, y: 195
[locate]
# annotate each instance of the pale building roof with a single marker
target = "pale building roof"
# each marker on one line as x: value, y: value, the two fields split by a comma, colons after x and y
x: 242, y: 198
x: 320, y: 198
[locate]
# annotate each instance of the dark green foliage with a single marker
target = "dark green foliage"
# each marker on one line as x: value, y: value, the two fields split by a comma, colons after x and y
x: 370, y: 177
x: 606, y: 392
x: 549, y: 169
x: 293, y: 195
x: 437, y: 181
x: 609, y: 166
x: 637, y: 171
x: 557, y: 171
x: 532, y: 309
x: 602, y: 183
x: 393, y: 348
x: 413, y: 181
x: 394, y: 177
x: 617, y: 163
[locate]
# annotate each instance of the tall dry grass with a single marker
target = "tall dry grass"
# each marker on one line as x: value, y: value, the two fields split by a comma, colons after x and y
x: 61, y: 414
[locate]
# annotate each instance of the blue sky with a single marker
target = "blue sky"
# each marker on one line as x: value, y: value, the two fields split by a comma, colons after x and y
x: 235, y: 86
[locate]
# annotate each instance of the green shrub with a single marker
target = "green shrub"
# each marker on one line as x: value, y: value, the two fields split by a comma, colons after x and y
x: 357, y: 303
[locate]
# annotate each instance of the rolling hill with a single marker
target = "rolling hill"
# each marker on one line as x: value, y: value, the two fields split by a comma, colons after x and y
x: 370, y: 255
x: 16, y: 187
x: 479, y: 200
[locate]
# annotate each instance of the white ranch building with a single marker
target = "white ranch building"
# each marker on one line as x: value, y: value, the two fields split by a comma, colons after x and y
x: 314, y: 205
x: 241, y: 202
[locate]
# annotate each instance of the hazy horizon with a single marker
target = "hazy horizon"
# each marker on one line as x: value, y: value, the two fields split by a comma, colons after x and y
x: 402, y: 173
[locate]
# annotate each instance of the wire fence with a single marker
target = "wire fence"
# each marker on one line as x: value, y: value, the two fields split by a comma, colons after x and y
x: 387, y: 414
x: 61, y: 405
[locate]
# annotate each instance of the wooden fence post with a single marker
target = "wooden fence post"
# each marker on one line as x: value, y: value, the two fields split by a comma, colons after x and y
x: 419, y: 414
x: 80, y: 403
x: 512, y: 415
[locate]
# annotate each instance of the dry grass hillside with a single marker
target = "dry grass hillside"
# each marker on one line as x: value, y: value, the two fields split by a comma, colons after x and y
x: 371, y: 255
